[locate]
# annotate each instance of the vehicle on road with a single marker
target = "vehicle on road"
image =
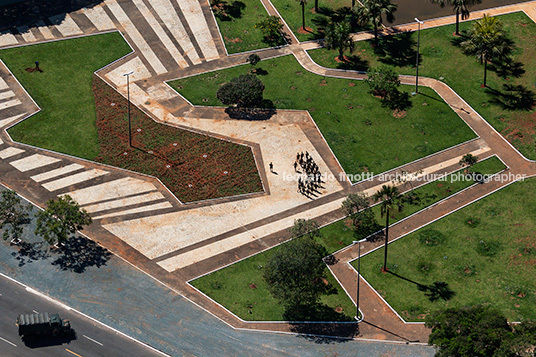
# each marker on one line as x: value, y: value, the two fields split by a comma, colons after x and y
x: 34, y: 326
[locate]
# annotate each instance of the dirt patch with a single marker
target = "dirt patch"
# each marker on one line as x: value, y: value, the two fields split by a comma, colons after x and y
x: 303, y: 31
x: 323, y: 83
x: 252, y: 286
x: 397, y: 113
x: 345, y: 59
x: 338, y: 309
x: 351, y: 84
x: 233, y: 40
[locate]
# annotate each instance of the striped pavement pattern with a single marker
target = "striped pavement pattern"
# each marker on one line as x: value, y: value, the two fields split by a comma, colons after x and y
x: 167, y: 34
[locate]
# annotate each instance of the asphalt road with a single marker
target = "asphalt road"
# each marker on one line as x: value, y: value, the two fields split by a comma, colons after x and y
x: 92, y: 339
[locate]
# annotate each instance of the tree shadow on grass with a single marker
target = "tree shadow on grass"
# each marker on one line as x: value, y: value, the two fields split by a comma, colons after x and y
x: 507, y: 68
x: 397, y: 50
x: 512, y: 97
x: 354, y: 63
x: 29, y: 252
x: 228, y: 11
x: 435, y: 291
x: 79, y: 253
x: 264, y: 113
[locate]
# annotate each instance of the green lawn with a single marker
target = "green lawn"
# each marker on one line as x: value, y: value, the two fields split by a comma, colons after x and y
x: 241, y: 289
x: 442, y: 59
x: 339, y: 234
x: 486, y: 254
x: 236, y: 20
x: 363, y: 135
x: 66, y: 122
x: 291, y: 12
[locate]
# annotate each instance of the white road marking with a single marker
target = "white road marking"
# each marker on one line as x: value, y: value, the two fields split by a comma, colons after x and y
x: 97, y: 342
x: 11, y: 343
x: 35, y: 311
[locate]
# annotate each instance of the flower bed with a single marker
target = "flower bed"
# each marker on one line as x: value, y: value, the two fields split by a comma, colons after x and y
x: 192, y: 166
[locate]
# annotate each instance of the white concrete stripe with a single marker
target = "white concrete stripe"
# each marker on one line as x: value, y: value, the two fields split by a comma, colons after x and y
x: 32, y: 162
x: 56, y: 172
x: 137, y: 210
x: 7, y: 121
x: 193, y: 13
x: 45, y: 31
x: 7, y: 38
x: 99, y: 18
x: 110, y: 190
x: 167, y: 13
x: 66, y: 25
x: 1, y: 141
x: 210, y: 250
x: 138, y: 39
x: 74, y: 179
x: 3, y: 84
x: 8, y: 94
x: 9, y: 104
x: 11, y: 151
x: 122, y: 202
x: 135, y: 65
x: 173, y: 51
x: 26, y: 34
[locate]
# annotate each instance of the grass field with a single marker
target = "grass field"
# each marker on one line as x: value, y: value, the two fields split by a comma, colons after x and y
x: 66, y: 122
x: 363, y: 135
x: 232, y: 287
x: 506, y: 110
x: 236, y: 20
x: 486, y: 253
x: 339, y: 234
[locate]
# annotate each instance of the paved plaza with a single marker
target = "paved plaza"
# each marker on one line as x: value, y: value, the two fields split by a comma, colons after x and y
x: 139, y: 220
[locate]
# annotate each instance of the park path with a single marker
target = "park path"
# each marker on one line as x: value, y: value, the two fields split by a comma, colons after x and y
x: 172, y: 41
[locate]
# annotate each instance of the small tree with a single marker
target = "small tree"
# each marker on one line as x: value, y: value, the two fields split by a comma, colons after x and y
x: 460, y: 7
x: 338, y: 36
x: 304, y: 227
x: 372, y: 11
x: 382, y: 81
x: 467, y: 161
x: 253, y: 59
x: 61, y: 218
x: 295, y: 273
x: 243, y: 91
x: 271, y: 28
x: 13, y: 215
x: 356, y: 207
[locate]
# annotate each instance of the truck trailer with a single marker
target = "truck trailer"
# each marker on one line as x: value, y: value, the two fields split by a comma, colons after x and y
x: 42, y: 325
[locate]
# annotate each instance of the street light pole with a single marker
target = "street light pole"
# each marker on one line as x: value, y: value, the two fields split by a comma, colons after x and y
x: 417, y: 60
x: 358, y: 277
x: 128, y: 105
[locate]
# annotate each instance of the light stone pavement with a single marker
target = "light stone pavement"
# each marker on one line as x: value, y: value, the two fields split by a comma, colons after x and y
x: 175, y: 37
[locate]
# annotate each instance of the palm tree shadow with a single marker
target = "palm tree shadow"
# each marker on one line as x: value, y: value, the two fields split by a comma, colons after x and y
x: 354, y: 63
x: 435, y: 291
x: 512, y: 97
x: 397, y: 50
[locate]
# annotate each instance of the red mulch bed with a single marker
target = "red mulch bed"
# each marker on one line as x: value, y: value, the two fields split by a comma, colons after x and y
x: 193, y: 166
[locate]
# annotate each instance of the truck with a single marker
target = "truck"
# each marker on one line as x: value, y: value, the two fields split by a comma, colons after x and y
x: 33, y: 326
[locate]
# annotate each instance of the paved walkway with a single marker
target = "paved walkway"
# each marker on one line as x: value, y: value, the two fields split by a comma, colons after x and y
x: 174, y: 39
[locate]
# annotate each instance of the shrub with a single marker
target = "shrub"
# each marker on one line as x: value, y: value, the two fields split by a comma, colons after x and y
x: 488, y: 248
x: 243, y: 91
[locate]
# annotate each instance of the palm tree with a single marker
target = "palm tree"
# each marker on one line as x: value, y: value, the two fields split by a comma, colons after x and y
x: 390, y: 198
x: 487, y: 40
x: 337, y: 36
x: 372, y: 11
x: 303, y: 3
x: 461, y: 7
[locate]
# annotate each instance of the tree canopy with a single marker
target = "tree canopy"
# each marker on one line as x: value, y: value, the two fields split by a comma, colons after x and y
x: 372, y: 11
x: 60, y: 219
x: 338, y: 37
x: 479, y: 331
x: 13, y: 215
x: 243, y: 91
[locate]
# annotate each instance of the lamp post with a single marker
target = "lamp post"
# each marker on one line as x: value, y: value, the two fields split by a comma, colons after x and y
x: 358, y: 242
x: 128, y: 104
x: 417, y: 60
